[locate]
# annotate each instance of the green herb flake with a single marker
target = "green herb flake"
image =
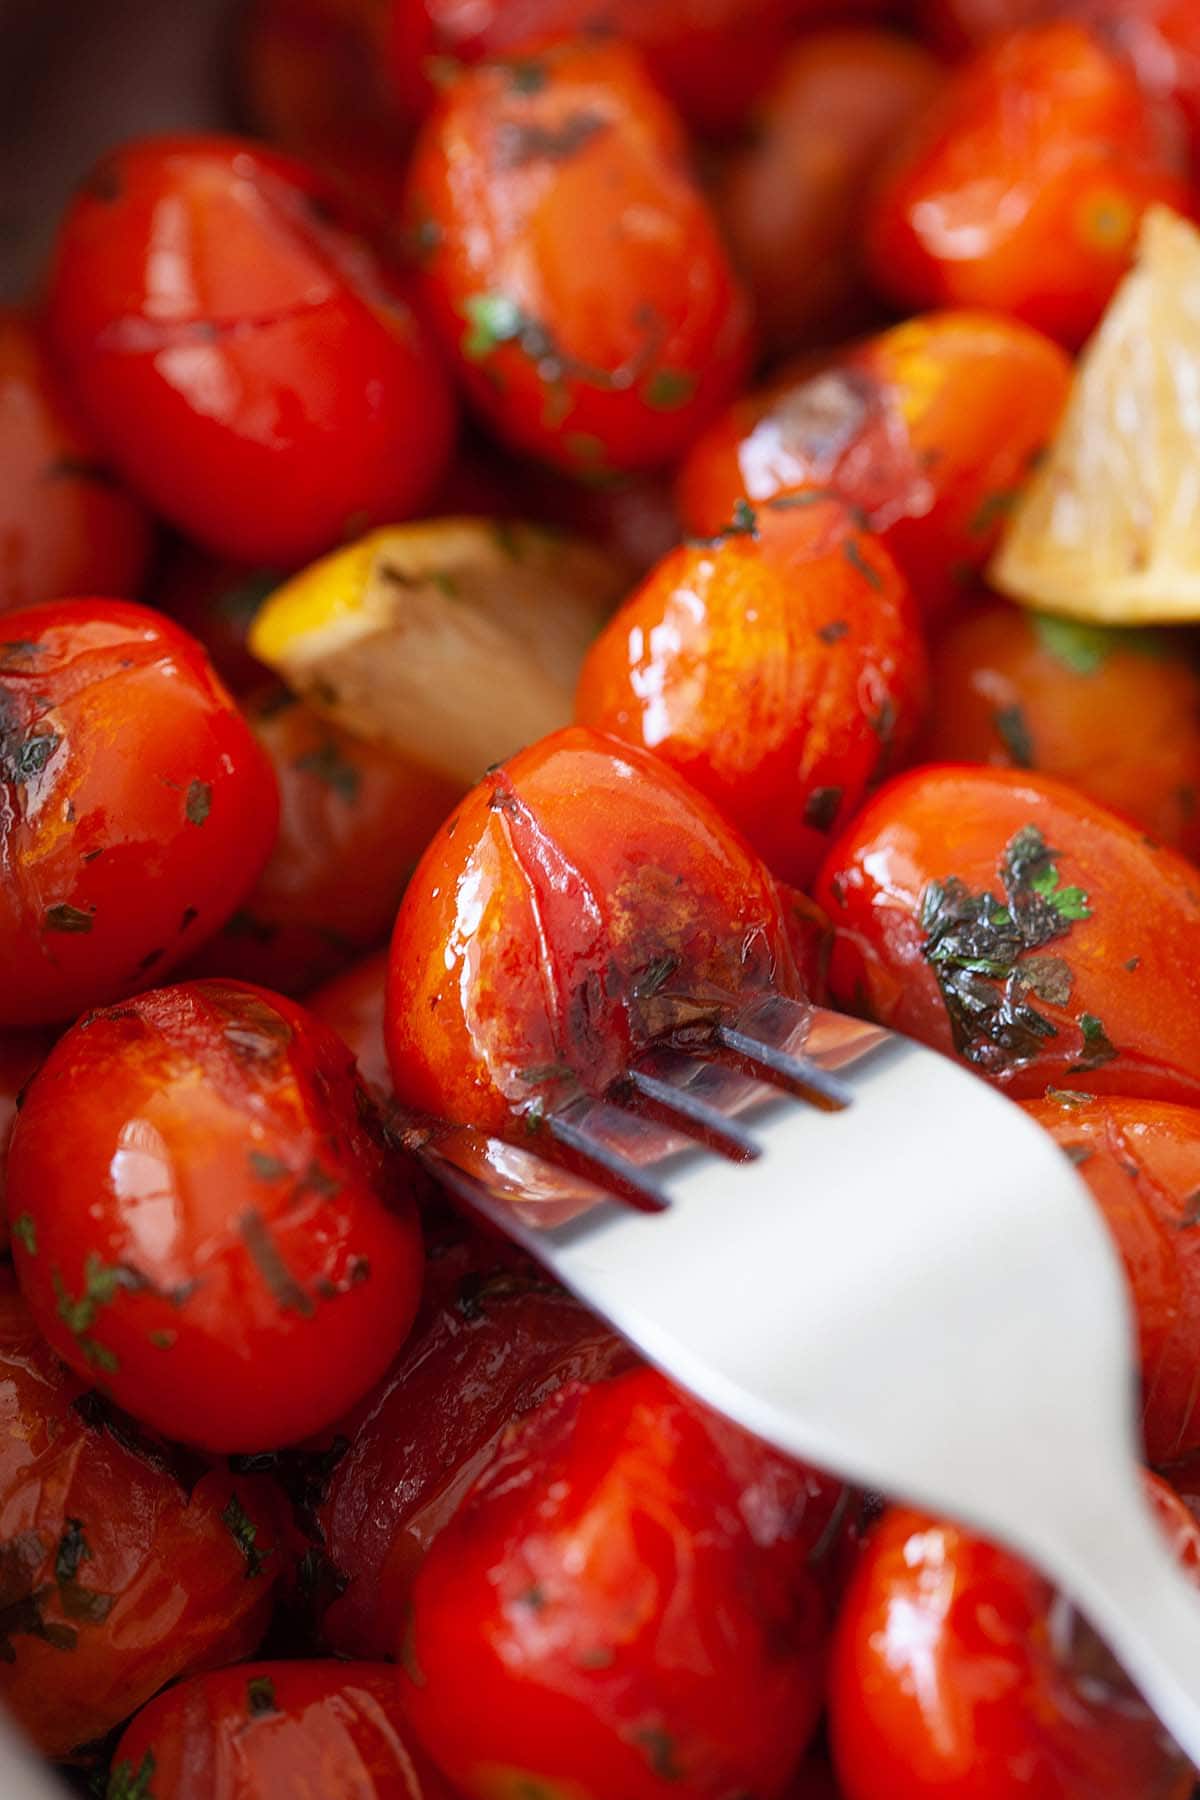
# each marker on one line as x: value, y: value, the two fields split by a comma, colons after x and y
x: 852, y: 550
x: 1012, y: 728
x: 264, y: 1253
x: 260, y: 1696
x: 1081, y: 648
x: 25, y: 1232
x: 199, y: 802
x: 72, y: 1550
x: 162, y: 1340
x: 245, y: 1535
x: 992, y: 510
x: 526, y: 74
x: 1098, y: 1047
x: 62, y: 917
x: 661, y: 1751
x: 669, y: 389
x: 492, y: 320
x: 265, y: 1167
x: 127, y: 1783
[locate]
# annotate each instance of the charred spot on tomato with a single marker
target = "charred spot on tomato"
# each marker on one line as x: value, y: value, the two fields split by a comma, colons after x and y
x: 821, y: 808
x: 833, y: 632
x: 22, y: 759
x: 62, y: 916
x: 244, y: 1533
x: 260, y: 1696
x: 198, y: 804
x: 23, y: 1599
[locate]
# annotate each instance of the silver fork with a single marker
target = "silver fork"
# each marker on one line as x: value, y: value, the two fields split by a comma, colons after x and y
x: 916, y: 1291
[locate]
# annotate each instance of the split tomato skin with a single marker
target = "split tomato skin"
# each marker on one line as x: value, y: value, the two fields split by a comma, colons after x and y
x: 137, y: 808
x: 252, y: 369
x: 958, y: 1673
x: 929, y: 428
x: 569, y: 262
x: 1022, y: 186
x: 125, y: 1562
x: 219, y: 1237
x: 1090, y: 935
x: 580, y: 903
x: 273, y: 1730
x: 630, y: 1597
x: 779, y: 668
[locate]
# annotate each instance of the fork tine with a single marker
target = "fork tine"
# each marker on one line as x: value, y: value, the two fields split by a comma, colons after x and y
x: 795, y: 1074
x: 668, y: 1104
x: 588, y: 1155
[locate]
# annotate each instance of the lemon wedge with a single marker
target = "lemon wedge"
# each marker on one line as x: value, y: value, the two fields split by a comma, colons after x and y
x: 1108, y: 528
x: 452, y: 642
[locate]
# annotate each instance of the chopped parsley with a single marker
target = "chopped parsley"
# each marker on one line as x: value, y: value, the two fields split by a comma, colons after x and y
x: 668, y: 389
x: 1098, y: 1047
x: 199, y: 802
x: 260, y: 1696
x: 245, y: 1535
x: 127, y: 1783
x: 492, y: 320
x: 1012, y: 728
x: 25, y: 1232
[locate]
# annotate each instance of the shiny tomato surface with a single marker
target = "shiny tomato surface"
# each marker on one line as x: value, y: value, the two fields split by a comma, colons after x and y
x: 779, y: 667
x: 137, y: 808
x: 1022, y: 185
x: 632, y: 1598
x: 570, y: 263
x: 1002, y: 918
x: 217, y: 1236
x: 252, y: 369
x: 124, y: 1562
x: 929, y: 428
x: 581, y: 902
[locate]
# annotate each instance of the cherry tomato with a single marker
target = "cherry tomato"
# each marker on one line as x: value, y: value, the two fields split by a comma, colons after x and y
x: 779, y: 667
x: 252, y: 369
x: 959, y: 1673
x: 352, y: 1004
x: 66, y: 524
x: 1004, y: 919
x: 124, y: 1562
x: 21, y: 1053
x: 629, y: 1597
x: 790, y: 199
x: 216, y: 601
x: 582, y: 901
x: 929, y: 428
x: 1115, y: 713
x: 570, y: 263
x: 276, y: 1731
x: 137, y: 808
x: 1023, y: 184
x: 213, y: 1229
x: 810, y: 934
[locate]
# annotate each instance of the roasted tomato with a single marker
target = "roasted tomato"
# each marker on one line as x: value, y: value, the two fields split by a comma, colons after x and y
x: 66, y: 524
x: 217, y: 1236
x: 1142, y: 1162
x: 250, y: 367
x: 779, y: 667
x: 790, y: 199
x: 570, y: 262
x: 21, y: 1053
x: 1004, y: 919
x: 353, y: 1005
x: 631, y: 1598
x: 581, y: 902
x: 124, y: 1562
x: 276, y: 1731
x: 137, y: 808
x: 1022, y: 185
x: 929, y: 429
x: 959, y: 1674
x: 1115, y: 713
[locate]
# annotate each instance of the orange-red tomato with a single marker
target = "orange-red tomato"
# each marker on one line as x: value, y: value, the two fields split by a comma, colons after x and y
x: 929, y: 429
x: 213, y: 1226
x: 251, y: 368
x: 959, y: 1674
x: 66, y: 524
x: 631, y: 1599
x: 124, y: 1562
x: 582, y: 901
x: 1022, y: 185
x: 353, y: 1005
x: 778, y: 667
x: 570, y: 262
x: 790, y: 199
x: 1002, y: 918
x: 276, y: 1731
x: 1115, y: 713
x: 137, y: 809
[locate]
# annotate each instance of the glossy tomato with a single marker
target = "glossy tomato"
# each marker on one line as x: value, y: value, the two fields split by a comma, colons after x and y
x: 124, y: 1562
x: 353, y: 1005
x: 137, y: 808
x: 1023, y: 184
x: 213, y: 1229
x: 253, y: 370
x: 1004, y: 919
x: 929, y: 429
x: 632, y: 1597
x: 779, y: 667
x: 570, y: 263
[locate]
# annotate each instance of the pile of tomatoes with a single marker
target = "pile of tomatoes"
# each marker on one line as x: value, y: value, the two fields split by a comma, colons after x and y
x: 307, y: 1487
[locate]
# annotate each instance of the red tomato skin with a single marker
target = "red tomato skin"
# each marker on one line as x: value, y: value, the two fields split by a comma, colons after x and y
x: 352, y: 1004
x: 137, y: 808
x: 781, y: 672
x: 582, y: 901
x: 122, y: 1546
x: 21, y: 1054
x: 279, y: 1731
x: 66, y: 524
x: 570, y: 263
x: 217, y: 1235
x: 259, y: 377
x: 1022, y: 186
x: 1130, y: 966
x: 957, y: 1672
x: 628, y: 1599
